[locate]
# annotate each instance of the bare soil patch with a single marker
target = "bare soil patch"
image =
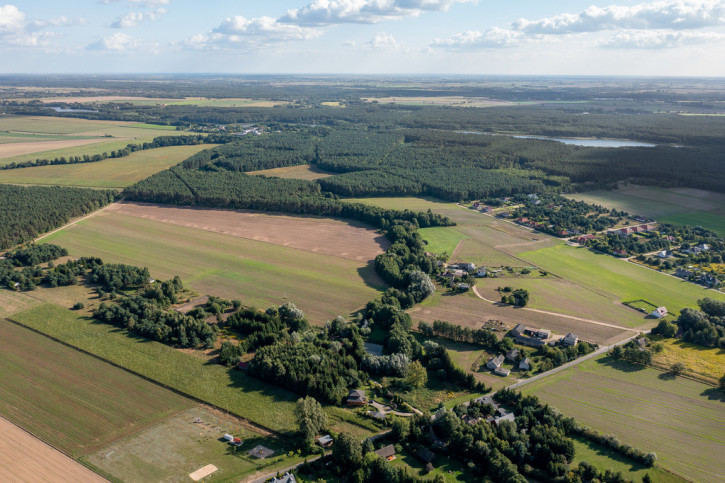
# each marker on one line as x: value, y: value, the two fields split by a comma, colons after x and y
x: 18, y: 149
x: 326, y: 236
x: 24, y: 457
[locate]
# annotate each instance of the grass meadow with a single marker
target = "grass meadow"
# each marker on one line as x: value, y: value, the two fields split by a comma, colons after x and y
x: 109, y: 173
x: 704, y: 363
x: 303, y: 171
x: 679, y: 419
x: 72, y: 400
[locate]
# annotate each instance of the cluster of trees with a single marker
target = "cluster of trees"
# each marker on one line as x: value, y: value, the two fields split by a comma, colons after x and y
x: 447, y: 330
x: 559, y: 214
x: 28, y: 211
x: 35, y: 255
x: 518, y: 297
x: 631, y: 352
x: 705, y: 326
x: 28, y: 258
x: 264, y: 328
x: 552, y: 357
x: 437, y: 359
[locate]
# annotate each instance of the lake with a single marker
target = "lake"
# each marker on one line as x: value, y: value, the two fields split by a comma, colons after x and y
x: 597, y: 143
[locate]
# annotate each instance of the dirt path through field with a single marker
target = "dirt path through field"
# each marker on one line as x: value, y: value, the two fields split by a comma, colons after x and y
x: 23, y: 457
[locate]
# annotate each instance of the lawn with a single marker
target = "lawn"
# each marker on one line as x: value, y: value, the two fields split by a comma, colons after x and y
x: 181, y: 445
x: 258, y: 273
x: 70, y: 399
x: 679, y: 419
x: 230, y: 390
x: 109, y: 173
x: 616, y: 279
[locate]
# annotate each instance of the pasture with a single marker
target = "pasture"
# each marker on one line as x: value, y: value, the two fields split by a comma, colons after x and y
x: 26, y: 458
x: 441, y: 240
x: 72, y: 400
x: 170, y: 451
x: 303, y: 171
x: 679, y: 419
x: 233, y: 391
x: 109, y: 173
x: 259, y: 273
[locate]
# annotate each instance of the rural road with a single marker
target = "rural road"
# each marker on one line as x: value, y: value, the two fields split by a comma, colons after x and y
x: 74, y: 222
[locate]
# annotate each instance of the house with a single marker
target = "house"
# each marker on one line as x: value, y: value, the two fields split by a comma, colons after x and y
x: 356, y: 397
x: 463, y: 286
x: 665, y: 254
x: 506, y: 417
x: 286, y: 478
x: 324, y: 441
x: 708, y: 279
x: 570, y: 339
x: 470, y: 420
x: 538, y: 333
x: 387, y: 452
x: 512, y: 355
x: 469, y: 267
x: 525, y: 364
x: 626, y: 231
x: 703, y: 247
x: 486, y: 400
x: 620, y: 252
x: 659, y: 312
x: 481, y: 272
x: 584, y: 238
x: 530, y: 341
x: 520, y: 329
x: 682, y: 273
x: 501, y: 371
x: 495, y: 362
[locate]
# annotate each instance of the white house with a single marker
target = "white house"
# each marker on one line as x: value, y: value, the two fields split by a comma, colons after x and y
x: 659, y: 312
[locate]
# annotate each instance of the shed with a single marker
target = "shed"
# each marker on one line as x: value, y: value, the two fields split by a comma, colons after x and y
x: 387, y: 452
x: 501, y: 371
x: 324, y: 441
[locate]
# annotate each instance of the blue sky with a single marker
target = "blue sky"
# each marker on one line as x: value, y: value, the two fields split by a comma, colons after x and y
x: 563, y: 37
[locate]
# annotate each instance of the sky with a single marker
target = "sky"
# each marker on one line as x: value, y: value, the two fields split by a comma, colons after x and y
x: 494, y: 37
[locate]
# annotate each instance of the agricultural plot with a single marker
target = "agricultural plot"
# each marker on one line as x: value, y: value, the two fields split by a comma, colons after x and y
x: 14, y: 302
x: 232, y: 391
x: 703, y: 363
x: 442, y: 239
x: 679, y: 419
x: 26, y: 458
x: 70, y: 399
x: 109, y: 173
x: 257, y: 272
x: 303, y: 171
x: 172, y: 450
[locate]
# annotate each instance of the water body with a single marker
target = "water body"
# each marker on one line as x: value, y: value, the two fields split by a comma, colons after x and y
x: 63, y: 109
x: 597, y: 143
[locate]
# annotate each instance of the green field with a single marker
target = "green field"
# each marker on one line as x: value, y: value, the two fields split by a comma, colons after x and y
x: 616, y: 279
x: 109, y: 173
x: 703, y: 363
x: 679, y: 419
x: 258, y: 273
x: 70, y: 399
x: 713, y: 220
x: 441, y: 240
x: 231, y: 390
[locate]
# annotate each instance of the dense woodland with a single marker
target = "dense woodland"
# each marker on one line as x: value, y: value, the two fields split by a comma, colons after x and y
x: 30, y: 211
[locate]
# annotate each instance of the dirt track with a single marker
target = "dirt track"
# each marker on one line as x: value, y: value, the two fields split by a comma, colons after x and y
x: 26, y: 458
x: 319, y: 235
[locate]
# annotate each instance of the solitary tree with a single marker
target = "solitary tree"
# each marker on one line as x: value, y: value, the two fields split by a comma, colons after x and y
x: 310, y: 418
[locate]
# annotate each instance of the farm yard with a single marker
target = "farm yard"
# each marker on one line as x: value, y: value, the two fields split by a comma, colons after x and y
x: 678, y: 418
x: 109, y: 173
x: 72, y: 400
x: 261, y: 273
x: 23, y: 457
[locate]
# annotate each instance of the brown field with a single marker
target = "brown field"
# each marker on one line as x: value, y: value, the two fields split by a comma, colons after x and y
x: 469, y: 311
x: 18, y: 149
x: 24, y: 457
x: 325, y: 236
x: 304, y: 171
x: 49, y: 100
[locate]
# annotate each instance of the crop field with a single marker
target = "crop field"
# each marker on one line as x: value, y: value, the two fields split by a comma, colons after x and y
x: 680, y: 419
x: 13, y: 302
x: 669, y: 205
x: 469, y: 311
x: 616, y: 279
x: 704, y: 363
x: 109, y: 173
x: 26, y: 458
x: 257, y: 272
x: 170, y: 451
x: 303, y: 171
x: 73, y: 400
x: 233, y: 391
x: 441, y: 239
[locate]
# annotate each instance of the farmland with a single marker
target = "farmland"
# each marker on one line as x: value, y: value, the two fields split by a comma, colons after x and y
x: 260, y: 273
x: 25, y: 458
x: 109, y: 173
x: 703, y: 363
x: 70, y: 399
x: 231, y: 390
x: 681, y: 420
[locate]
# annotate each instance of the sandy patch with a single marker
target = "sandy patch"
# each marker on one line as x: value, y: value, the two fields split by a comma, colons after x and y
x: 319, y: 235
x: 18, y: 149
x: 203, y: 472
x: 23, y: 457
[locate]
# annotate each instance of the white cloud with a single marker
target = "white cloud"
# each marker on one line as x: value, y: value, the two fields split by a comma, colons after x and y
x: 652, y: 39
x: 57, y: 22
x: 12, y: 20
x: 142, y: 3
x: 476, y: 40
x: 330, y: 12
x: 132, y: 19
x: 240, y: 31
x: 382, y: 41
x: 118, y: 42
x: 668, y: 14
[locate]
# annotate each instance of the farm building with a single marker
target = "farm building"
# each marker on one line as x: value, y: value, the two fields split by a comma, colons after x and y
x: 387, y: 452
x: 525, y: 364
x: 481, y: 272
x: 495, y: 362
x: 467, y: 266
x: 530, y: 341
x: 512, y: 355
x: 538, y: 333
x: 357, y: 398
x: 324, y: 441
x: 520, y: 329
x: 502, y: 371
x: 570, y: 339
x: 659, y: 312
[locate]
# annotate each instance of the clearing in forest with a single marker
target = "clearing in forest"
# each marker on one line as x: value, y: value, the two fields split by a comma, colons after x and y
x: 303, y: 171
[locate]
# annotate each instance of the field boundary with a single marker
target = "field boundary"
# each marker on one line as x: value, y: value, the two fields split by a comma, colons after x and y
x: 257, y: 428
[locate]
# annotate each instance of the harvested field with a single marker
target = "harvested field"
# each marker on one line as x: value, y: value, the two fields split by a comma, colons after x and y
x: 469, y: 311
x: 679, y: 419
x: 17, y: 149
x: 304, y: 171
x: 26, y: 458
x: 327, y: 236
x: 70, y: 399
